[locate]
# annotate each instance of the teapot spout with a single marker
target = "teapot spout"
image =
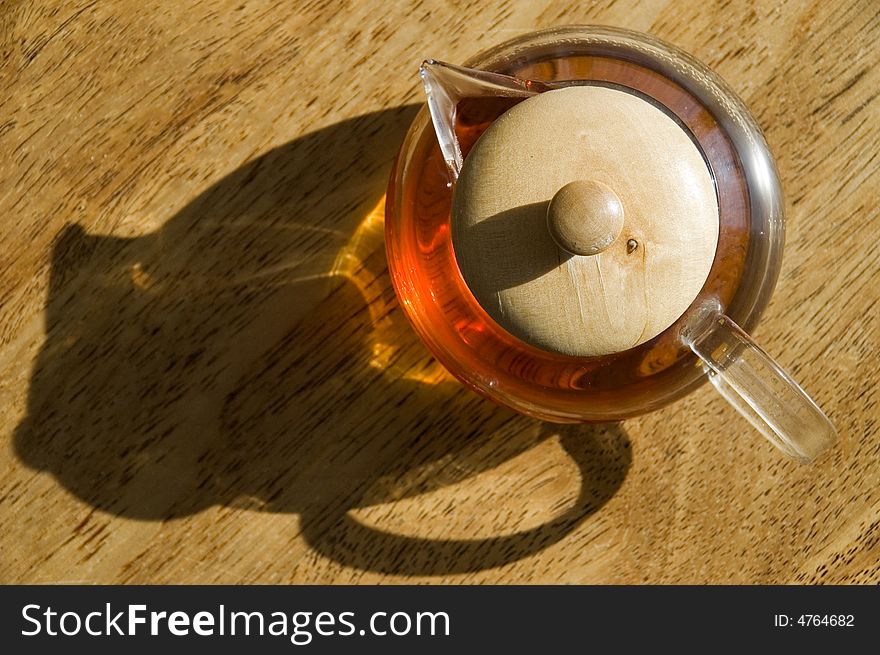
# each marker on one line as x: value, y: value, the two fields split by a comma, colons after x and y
x: 446, y: 85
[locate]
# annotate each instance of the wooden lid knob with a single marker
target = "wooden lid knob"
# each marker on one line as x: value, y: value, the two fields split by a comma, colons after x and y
x: 584, y: 217
x: 585, y: 220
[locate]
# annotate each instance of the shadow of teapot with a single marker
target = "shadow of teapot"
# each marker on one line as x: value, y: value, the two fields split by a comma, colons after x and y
x: 250, y: 353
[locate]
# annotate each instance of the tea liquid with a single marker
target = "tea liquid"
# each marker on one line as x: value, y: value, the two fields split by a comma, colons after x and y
x: 532, y: 380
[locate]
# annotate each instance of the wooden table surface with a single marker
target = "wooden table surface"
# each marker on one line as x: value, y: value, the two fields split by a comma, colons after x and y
x: 204, y: 376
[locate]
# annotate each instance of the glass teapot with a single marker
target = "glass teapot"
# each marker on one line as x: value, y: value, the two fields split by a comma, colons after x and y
x: 580, y: 222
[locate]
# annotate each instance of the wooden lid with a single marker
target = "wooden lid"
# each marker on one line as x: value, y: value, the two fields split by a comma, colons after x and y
x: 585, y: 220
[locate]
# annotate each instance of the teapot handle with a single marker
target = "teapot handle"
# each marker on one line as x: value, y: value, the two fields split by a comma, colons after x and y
x: 751, y: 381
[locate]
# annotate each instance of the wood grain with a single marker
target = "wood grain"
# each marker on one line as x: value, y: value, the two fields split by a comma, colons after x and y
x: 203, y: 373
